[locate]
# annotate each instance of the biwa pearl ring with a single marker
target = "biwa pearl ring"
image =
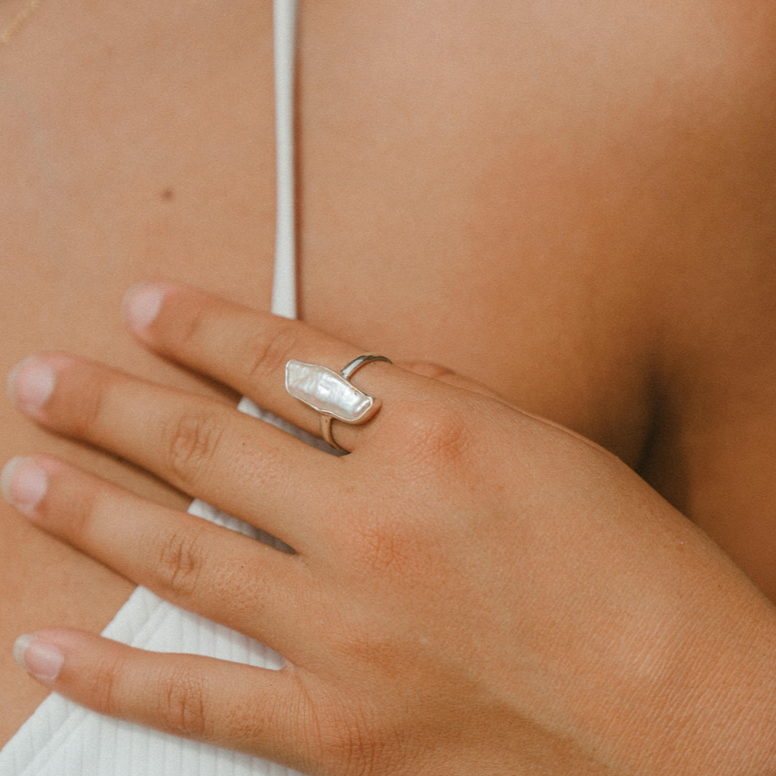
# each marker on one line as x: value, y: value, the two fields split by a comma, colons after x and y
x: 332, y: 394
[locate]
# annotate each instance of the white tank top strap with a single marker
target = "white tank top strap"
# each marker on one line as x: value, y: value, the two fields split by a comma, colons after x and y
x: 285, y: 275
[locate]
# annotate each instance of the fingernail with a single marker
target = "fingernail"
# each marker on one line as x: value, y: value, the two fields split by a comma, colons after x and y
x: 141, y: 305
x: 31, y: 383
x: 36, y: 657
x: 23, y: 483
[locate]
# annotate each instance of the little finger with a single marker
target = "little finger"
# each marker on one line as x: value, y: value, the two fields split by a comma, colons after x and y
x: 262, y: 712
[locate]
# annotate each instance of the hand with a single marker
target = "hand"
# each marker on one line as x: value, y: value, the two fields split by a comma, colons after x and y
x: 472, y: 590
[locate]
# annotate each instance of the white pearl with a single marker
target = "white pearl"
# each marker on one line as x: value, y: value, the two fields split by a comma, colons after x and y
x: 326, y: 391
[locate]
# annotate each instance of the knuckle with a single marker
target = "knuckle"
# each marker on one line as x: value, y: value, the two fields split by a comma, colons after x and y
x: 188, y: 336
x: 192, y: 440
x: 182, y: 704
x: 182, y: 557
x: 265, y: 357
x: 435, y: 436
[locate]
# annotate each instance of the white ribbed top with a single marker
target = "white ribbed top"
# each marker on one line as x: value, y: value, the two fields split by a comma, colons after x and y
x: 63, y: 739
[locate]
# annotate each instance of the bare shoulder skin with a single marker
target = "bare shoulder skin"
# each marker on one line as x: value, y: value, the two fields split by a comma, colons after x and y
x: 572, y: 207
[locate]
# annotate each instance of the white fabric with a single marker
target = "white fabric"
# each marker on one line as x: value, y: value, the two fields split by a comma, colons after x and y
x: 284, y: 280
x: 64, y: 739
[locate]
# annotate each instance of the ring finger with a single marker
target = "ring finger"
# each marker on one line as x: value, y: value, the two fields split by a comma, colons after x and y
x: 213, y: 571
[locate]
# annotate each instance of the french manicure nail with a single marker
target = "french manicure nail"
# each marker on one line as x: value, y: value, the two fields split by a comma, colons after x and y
x: 23, y: 483
x: 44, y: 661
x: 31, y: 383
x: 141, y: 305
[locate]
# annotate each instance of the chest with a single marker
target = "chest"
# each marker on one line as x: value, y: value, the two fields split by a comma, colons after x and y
x: 508, y: 189
x: 440, y: 218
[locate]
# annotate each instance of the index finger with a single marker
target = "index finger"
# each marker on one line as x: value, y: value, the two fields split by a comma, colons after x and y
x: 248, y: 350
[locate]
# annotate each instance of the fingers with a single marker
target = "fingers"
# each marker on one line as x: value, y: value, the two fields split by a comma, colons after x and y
x: 262, y: 712
x: 207, y: 569
x: 206, y: 449
x: 248, y: 351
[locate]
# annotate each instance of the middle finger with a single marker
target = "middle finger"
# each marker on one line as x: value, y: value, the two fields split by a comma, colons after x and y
x: 200, y: 446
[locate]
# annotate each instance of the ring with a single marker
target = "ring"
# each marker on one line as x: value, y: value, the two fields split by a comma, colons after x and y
x: 332, y: 394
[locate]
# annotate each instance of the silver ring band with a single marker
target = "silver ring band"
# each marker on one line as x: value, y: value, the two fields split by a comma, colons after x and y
x: 347, y: 372
x: 357, y: 363
x: 332, y: 394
